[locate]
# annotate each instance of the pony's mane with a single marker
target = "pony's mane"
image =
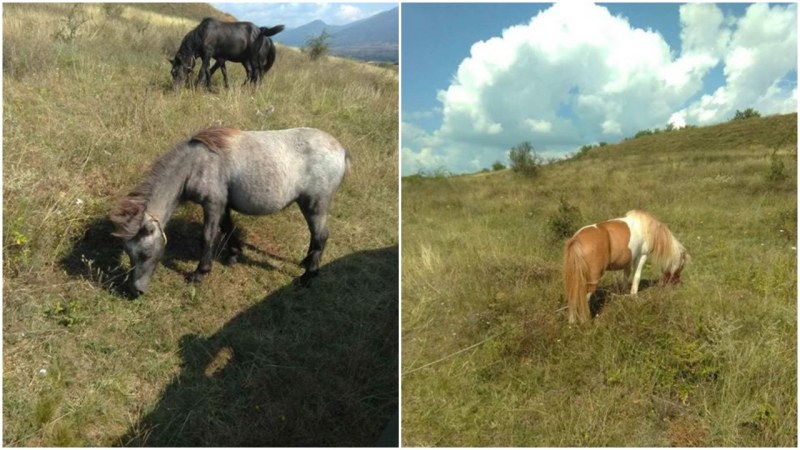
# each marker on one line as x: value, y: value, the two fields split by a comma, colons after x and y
x: 129, y: 213
x: 665, y: 250
x: 216, y: 138
x: 193, y: 39
x: 127, y: 217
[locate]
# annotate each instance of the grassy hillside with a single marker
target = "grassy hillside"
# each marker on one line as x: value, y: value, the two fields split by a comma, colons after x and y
x: 489, y: 359
x: 246, y: 357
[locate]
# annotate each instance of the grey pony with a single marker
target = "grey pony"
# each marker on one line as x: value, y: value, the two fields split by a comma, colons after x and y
x: 224, y: 169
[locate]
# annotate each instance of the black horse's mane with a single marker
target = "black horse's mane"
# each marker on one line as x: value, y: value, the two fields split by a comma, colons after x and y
x: 194, y: 39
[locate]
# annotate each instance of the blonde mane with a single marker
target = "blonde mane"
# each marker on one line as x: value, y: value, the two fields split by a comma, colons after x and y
x: 666, y: 252
x: 216, y: 138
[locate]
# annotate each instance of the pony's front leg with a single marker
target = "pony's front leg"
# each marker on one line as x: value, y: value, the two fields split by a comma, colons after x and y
x: 224, y: 75
x: 638, y: 274
x: 205, y: 73
x: 211, y: 218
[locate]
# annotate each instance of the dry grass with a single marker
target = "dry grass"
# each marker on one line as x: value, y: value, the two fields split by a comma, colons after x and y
x: 245, y: 357
x: 489, y: 360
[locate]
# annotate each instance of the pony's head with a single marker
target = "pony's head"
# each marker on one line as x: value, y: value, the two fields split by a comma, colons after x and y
x: 181, y: 70
x: 672, y: 275
x: 143, y: 239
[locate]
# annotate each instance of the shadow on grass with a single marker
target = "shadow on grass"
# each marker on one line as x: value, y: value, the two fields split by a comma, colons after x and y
x: 310, y: 367
x: 97, y: 256
x: 601, y: 296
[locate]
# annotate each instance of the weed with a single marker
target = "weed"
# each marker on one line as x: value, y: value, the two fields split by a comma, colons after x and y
x: 45, y: 409
x: 65, y: 313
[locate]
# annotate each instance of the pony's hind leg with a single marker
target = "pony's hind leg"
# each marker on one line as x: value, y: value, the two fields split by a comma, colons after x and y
x: 220, y: 64
x: 224, y: 74
x: 230, y: 238
x: 315, y: 213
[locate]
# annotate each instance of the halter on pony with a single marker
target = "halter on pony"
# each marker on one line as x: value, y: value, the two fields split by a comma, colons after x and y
x: 618, y: 244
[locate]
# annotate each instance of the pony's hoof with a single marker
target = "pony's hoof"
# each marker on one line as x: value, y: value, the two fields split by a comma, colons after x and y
x: 305, y: 279
x: 195, y: 277
x: 232, y: 259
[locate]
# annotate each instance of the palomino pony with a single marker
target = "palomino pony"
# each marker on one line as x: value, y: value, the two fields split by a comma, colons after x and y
x: 224, y: 41
x: 618, y: 244
x: 224, y: 169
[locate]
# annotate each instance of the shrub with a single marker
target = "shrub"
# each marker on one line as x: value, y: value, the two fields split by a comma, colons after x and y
x: 318, y: 46
x: 583, y: 151
x: 524, y: 159
x: 777, y: 170
x: 113, y: 10
x: 497, y: 165
x: 565, y: 221
x: 68, y: 26
x: 748, y: 113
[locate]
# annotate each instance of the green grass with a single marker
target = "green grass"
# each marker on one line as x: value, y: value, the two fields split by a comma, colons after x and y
x: 243, y: 358
x: 488, y: 357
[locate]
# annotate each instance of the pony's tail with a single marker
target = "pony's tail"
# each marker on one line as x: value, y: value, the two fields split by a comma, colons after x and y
x: 267, y: 31
x: 575, y: 277
x: 347, y: 161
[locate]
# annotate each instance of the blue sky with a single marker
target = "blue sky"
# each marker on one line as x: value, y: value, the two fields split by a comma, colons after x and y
x: 580, y: 73
x: 294, y: 15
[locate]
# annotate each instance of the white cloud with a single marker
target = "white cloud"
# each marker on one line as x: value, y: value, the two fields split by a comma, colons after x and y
x: 350, y: 13
x: 760, y: 54
x: 575, y: 74
x: 539, y: 126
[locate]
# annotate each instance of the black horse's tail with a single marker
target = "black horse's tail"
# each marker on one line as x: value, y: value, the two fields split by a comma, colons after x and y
x: 267, y: 31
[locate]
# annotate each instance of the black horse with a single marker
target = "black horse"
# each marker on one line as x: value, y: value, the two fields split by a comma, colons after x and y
x: 263, y: 61
x: 240, y: 42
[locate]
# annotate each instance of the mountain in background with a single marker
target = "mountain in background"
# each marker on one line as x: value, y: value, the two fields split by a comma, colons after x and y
x: 372, y: 39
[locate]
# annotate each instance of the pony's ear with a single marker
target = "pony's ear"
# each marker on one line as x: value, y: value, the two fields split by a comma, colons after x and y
x: 127, y: 218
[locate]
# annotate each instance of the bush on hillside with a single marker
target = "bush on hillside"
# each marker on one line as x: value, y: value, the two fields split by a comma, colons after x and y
x: 69, y: 26
x: 497, y: 165
x: 748, y: 113
x: 524, y: 159
x: 318, y: 46
x: 777, y: 170
x: 113, y: 10
x: 565, y: 221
